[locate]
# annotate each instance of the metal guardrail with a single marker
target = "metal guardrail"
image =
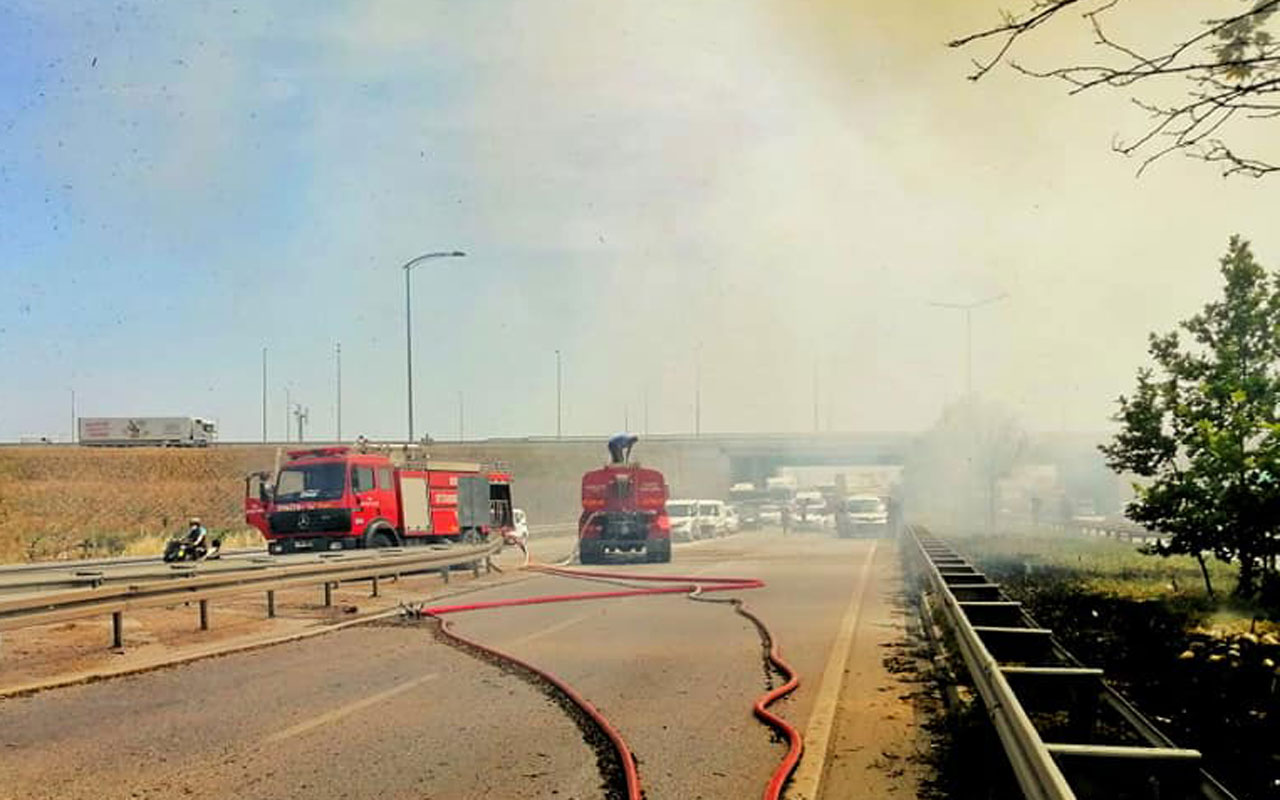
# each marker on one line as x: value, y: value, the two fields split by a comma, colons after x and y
x: 116, y: 599
x: 1003, y: 647
x: 116, y: 561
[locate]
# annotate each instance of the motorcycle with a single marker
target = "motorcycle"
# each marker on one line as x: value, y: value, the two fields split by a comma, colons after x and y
x: 179, y: 549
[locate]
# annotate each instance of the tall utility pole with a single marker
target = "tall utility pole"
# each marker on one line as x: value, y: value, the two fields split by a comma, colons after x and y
x: 968, y: 308
x: 408, y: 319
x: 816, y: 426
x: 337, y: 353
x: 302, y: 415
x: 559, y: 432
x: 626, y: 417
x: 461, y: 417
x: 697, y: 391
x: 288, y: 412
x: 264, y: 395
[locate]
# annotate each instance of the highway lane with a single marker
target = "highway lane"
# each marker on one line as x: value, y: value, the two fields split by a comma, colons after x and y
x: 388, y: 710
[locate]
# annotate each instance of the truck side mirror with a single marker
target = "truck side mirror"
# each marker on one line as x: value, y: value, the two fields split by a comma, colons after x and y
x: 264, y: 492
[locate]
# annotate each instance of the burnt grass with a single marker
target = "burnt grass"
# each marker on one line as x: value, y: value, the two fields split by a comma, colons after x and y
x: 1217, y: 694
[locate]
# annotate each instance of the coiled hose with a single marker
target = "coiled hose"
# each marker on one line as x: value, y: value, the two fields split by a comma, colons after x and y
x: 693, y: 586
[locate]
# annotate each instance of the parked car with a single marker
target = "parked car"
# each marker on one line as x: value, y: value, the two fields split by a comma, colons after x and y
x: 683, y: 515
x: 519, y: 533
x: 771, y: 514
x: 733, y: 523
x: 811, y: 509
x: 712, y: 519
x: 862, y: 515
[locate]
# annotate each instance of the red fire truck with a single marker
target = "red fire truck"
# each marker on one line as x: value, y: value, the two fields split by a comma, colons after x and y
x: 624, y: 509
x: 335, y: 498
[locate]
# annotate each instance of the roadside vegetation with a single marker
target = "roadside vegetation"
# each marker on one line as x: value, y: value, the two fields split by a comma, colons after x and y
x: 70, y: 502
x: 1206, y: 670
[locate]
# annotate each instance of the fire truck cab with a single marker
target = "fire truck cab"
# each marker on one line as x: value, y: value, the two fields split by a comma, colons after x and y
x: 335, y: 498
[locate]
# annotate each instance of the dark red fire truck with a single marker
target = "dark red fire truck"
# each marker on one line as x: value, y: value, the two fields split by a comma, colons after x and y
x: 624, y: 509
x: 336, y: 498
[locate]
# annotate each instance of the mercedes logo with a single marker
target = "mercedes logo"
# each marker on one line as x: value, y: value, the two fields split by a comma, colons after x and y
x: 304, y: 521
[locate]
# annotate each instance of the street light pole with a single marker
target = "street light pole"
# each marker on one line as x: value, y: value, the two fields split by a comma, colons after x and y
x: 697, y: 391
x: 264, y: 395
x: 968, y: 308
x: 408, y: 320
x: 815, y: 397
x: 558, y: 418
x: 337, y: 351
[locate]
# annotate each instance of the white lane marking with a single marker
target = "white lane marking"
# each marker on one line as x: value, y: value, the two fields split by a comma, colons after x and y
x: 344, y: 711
x: 817, y: 734
x: 547, y: 631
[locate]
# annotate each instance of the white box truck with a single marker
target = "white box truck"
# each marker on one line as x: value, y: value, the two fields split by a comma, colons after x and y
x: 147, y: 431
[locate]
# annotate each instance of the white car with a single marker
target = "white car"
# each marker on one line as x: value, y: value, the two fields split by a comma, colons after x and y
x: 771, y: 514
x: 712, y: 519
x: 683, y: 516
x: 811, y: 508
x: 732, y: 523
x: 519, y: 534
x: 862, y: 515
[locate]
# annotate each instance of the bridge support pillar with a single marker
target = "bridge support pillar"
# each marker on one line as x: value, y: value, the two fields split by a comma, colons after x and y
x: 204, y: 615
x: 117, y: 630
x: 271, y: 603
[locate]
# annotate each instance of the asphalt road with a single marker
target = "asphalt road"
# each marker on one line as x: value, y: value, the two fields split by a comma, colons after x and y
x: 388, y: 711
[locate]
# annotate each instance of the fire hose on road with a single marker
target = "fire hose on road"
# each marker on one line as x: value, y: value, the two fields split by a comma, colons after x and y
x: 693, y: 586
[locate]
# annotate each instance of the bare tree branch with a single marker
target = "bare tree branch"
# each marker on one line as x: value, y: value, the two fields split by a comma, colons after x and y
x: 1230, y: 69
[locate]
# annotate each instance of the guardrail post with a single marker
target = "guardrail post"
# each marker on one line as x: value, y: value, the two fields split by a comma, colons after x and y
x: 444, y: 573
x: 117, y: 630
x: 475, y: 569
x: 488, y: 564
x: 375, y: 586
x: 328, y: 594
x: 204, y: 615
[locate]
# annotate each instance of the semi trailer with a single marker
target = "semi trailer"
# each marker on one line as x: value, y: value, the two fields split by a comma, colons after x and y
x: 147, y: 431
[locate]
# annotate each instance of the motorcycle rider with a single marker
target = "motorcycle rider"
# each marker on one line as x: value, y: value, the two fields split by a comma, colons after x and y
x: 197, y: 535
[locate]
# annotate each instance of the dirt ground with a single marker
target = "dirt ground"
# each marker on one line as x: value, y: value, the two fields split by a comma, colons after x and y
x: 881, y: 746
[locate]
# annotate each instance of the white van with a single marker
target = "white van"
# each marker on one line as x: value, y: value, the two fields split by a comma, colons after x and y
x: 712, y: 519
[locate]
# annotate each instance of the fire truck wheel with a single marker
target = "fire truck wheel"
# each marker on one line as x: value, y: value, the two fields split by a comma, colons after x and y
x: 588, y: 554
x: 658, y: 552
x: 382, y: 539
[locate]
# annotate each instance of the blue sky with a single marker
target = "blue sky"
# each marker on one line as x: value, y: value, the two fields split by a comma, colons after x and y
x: 182, y: 184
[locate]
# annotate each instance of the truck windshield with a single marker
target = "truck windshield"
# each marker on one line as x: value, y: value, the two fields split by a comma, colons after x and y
x: 311, y: 482
x: 680, y: 509
x: 865, y: 505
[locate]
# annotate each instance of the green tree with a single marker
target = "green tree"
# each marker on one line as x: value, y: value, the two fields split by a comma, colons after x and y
x: 1200, y: 428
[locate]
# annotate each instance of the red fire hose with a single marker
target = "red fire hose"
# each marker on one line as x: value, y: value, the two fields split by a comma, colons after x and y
x: 695, y: 587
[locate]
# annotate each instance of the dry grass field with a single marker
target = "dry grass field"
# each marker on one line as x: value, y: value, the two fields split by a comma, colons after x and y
x: 70, y: 502
x: 86, y: 502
